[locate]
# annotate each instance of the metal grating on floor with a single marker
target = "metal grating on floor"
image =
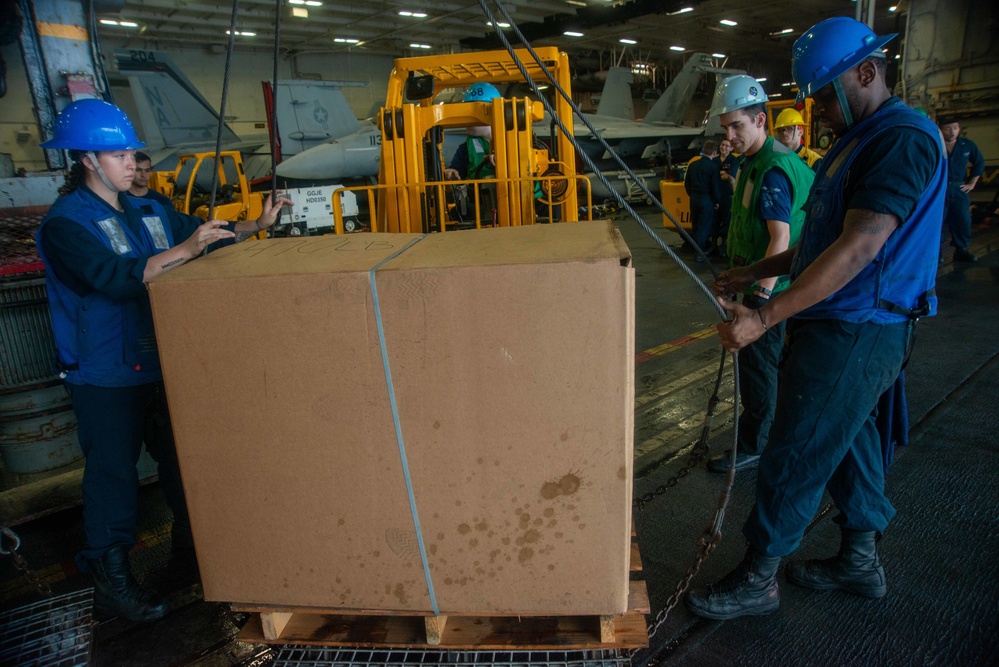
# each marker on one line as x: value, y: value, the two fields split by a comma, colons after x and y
x: 314, y: 656
x: 55, y: 632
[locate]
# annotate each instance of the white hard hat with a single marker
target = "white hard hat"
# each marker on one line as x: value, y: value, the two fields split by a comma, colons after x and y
x: 737, y: 92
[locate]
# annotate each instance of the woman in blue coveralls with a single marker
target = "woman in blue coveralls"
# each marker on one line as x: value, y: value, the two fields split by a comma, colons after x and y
x: 100, y: 247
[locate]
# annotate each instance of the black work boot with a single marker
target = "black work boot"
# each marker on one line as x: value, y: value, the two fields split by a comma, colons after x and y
x: 117, y: 592
x: 855, y: 569
x: 963, y: 255
x: 749, y: 590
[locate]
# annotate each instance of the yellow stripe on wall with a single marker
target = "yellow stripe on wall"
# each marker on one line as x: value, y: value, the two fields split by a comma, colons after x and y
x: 61, y: 30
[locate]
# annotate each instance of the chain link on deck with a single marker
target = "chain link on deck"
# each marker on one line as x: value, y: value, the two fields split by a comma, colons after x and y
x: 19, y: 562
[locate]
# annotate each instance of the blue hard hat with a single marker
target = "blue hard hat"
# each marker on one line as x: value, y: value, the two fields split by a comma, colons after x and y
x: 830, y: 48
x: 481, y: 92
x: 93, y: 125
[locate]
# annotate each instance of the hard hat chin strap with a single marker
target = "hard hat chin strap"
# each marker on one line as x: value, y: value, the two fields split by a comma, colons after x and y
x: 100, y: 171
x: 844, y: 107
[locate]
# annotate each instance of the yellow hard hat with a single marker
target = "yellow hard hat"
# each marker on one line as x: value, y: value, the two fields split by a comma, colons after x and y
x: 788, y: 118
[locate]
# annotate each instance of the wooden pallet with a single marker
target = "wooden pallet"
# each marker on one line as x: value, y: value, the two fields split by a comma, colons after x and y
x: 359, y: 628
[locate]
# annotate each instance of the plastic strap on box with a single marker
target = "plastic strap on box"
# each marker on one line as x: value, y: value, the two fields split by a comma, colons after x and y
x: 395, y: 418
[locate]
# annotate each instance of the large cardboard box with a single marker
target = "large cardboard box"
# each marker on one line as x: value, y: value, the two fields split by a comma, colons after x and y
x: 511, y: 353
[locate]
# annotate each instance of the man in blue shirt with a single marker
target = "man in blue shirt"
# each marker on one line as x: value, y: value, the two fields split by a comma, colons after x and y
x: 140, y: 185
x: 772, y: 186
x: 862, y: 272
x: 703, y: 185
x: 965, y: 165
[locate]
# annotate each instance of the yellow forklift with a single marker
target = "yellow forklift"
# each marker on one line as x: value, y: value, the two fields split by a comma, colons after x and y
x: 189, y: 187
x: 531, y: 184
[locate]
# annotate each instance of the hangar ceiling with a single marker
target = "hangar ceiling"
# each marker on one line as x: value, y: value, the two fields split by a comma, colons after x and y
x: 759, y: 41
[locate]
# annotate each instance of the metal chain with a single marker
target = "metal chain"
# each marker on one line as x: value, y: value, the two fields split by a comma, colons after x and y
x: 708, y: 540
x: 20, y: 563
x: 698, y: 453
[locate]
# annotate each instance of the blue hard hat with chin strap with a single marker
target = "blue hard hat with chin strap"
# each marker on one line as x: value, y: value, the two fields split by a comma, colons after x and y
x: 827, y: 50
x: 481, y: 92
x: 93, y: 125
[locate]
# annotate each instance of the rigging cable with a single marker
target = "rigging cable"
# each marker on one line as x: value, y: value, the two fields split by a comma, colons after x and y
x: 711, y: 536
x: 225, y: 95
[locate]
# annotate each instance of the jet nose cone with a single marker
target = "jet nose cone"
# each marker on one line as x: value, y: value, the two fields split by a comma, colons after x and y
x: 324, y: 161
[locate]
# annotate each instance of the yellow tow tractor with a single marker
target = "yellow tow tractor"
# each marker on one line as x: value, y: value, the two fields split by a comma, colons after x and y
x: 189, y: 187
x: 535, y: 181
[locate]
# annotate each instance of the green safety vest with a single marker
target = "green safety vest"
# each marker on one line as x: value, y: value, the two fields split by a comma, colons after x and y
x: 479, y: 167
x: 748, y: 236
x: 478, y: 151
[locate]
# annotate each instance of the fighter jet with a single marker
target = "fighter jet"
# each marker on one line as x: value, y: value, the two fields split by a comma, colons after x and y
x: 355, y: 154
x: 175, y: 119
x: 661, y: 133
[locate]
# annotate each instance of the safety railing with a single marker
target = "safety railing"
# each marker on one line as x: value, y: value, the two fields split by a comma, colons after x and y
x: 424, y: 207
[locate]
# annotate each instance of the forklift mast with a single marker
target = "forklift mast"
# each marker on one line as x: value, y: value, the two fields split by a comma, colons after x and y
x: 411, y: 190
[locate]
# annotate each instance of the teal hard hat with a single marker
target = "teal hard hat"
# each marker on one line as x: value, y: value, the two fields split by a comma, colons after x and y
x: 93, y: 125
x: 481, y: 92
x: 737, y: 92
x: 830, y: 48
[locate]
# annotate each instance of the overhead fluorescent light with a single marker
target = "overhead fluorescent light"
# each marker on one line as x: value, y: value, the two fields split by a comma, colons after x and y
x: 897, y: 56
x: 625, y: 40
x: 313, y: 3
x: 242, y: 33
x: 893, y: 8
x: 577, y: 3
x: 680, y: 11
x: 415, y: 15
x: 787, y: 31
x: 120, y: 24
x: 786, y: 84
x: 572, y: 33
x: 346, y: 40
x: 300, y: 12
x: 296, y: 2
x: 419, y: 46
x: 762, y: 79
x: 677, y: 48
x: 718, y: 55
x: 773, y: 95
x: 728, y: 22
x: 500, y: 24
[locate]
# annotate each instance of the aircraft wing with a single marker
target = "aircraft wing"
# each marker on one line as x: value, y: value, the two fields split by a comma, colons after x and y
x: 632, y: 140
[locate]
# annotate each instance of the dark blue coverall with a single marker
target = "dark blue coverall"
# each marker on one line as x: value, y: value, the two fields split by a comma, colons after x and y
x: 703, y: 186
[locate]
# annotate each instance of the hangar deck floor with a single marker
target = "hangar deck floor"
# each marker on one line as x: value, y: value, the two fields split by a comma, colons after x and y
x: 940, y: 552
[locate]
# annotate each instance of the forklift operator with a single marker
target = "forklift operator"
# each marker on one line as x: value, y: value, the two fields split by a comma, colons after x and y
x: 474, y: 158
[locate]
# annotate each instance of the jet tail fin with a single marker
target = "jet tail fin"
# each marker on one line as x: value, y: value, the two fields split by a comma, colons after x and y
x: 672, y: 104
x: 615, y: 100
x: 310, y: 113
x: 172, y: 112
